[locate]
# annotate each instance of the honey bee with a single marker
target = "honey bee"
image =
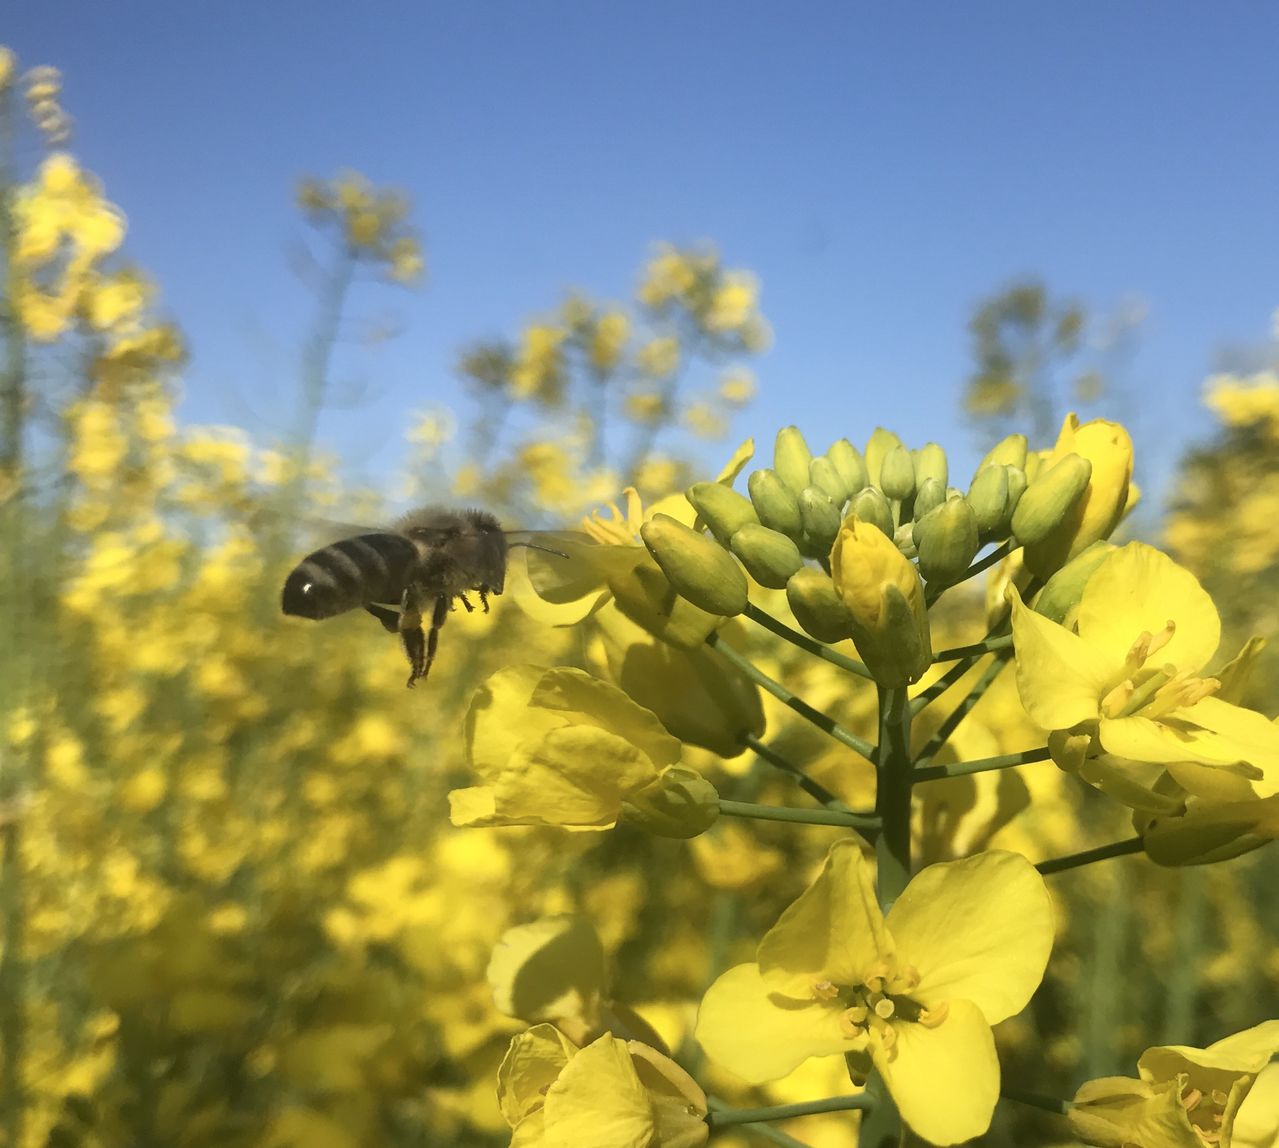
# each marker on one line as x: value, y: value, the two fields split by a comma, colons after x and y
x: 429, y: 559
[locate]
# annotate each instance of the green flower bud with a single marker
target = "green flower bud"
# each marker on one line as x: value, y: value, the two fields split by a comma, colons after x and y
x: 791, y: 458
x: 850, y: 464
x: 871, y: 506
x: 821, y: 523
x: 700, y: 570
x: 769, y: 557
x: 988, y: 496
x: 1034, y: 464
x: 877, y: 449
x: 897, y: 477
x: 1009, y: 451
x: 1049, y: 498
x: 1017, y: 483
x: 930, y: 495
x: 1065, y: 588
x: 721, y: 508
x: 681, y: 803
x: 930, y: 462
x: 643, y: 594
x: 947, y: 542
x: 823, y: 475
x: 819, y: 611
x: 775, y: 503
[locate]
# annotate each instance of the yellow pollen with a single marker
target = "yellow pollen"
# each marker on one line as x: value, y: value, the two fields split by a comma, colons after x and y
x: 906, y: 980
x: 852, y: 1021
x: 933, y: 1017
x: 887, y: 1036
x: 824, y: 991
x: 1114, y: 702
x: 884, y: 1008
x: 1191, y: 1097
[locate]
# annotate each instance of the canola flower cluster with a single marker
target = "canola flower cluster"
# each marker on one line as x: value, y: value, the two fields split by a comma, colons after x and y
x: 779, y: 834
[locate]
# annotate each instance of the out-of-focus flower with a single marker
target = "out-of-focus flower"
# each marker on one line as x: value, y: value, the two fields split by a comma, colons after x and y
x: 1183, y: 1097
x: 659, y: 357
x: 558, y: 747
x: 963, y: 947
x: 1124, y: 684
x: 610, y: 1094
x: 608, y: 340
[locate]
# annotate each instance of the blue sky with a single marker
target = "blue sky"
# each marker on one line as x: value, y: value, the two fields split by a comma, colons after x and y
x: 880, y: 167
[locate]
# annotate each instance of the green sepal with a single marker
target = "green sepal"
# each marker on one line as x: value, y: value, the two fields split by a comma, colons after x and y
x: 820, y: 521
x: 696, y: 566
x: 823, y: 475
x: 681, y: 804
x: 1050, y: 498
x: 871, y: 506
x: 775, y: 503
x: 930, y: 462
x: 769, y: 556
x: 878, y: 446
x: 1065, y: 588
x: 988, y: 496
x: 930, y: 495
x: 947, y: 541
x: 818, y: 609
x: 791, y: 458
x: 897, y: 476
x: 1008, y: 451
x: 722, y: 509
x: 848, y: 461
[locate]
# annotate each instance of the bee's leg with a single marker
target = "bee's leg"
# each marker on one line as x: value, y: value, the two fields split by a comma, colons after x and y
x: 409, y: 625
x: 433, y: 634
x: 467, y: 603
x: 484, y: 598
x: 389, y: 618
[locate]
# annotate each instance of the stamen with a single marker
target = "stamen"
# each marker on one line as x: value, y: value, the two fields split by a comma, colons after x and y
x: 1115, y: 702
x: 1191, y: 1097
x: 823, y: 990
x: 852, y: 1022
x: 933, y: 1017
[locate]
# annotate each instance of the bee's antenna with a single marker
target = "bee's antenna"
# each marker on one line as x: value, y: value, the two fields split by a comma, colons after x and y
x: 543, y: 549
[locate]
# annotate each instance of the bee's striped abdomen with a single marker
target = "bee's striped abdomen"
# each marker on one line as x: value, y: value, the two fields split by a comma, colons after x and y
x: 349, y: 574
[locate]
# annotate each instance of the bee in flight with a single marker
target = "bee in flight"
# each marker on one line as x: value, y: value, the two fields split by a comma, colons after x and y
x: 429, y: 558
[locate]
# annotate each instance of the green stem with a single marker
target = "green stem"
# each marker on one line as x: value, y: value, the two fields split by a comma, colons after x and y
x: 976, y: 650
x: 806, y: 783
x: 1181, y: 993
x: 723, y: 1117
x: 982, y: 765
x: 13, y: 396
x: 961, y: 711
x: 749, y: 809
x: 1036, y: 1100
x: 804, y: 642
x: 942, y: 684
x: 997, y: 555
x: 1088, y: 856
x: 894, y: 776
x: 822, y: 721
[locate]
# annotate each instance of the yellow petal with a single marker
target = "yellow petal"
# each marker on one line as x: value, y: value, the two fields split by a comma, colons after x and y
x: 598, y: 1100
x: 1257, y: 1125
x: 1139, y: 588
x: 547, y: 969
x: 1060, y: 677
x: 761, y: 1036
x: 1116, y: 1111
x: 834, y: 931
x: 533, y: 1060
x: 679, y: 1105
x: 735, y: 465
x: 979, y: 929
x: 582, y: 699
x: 498, y: 718
x: 944, y: 1080
x: 1242, y: 1052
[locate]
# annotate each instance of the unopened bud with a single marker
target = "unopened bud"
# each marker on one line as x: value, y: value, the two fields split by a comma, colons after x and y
x: 897, y: 476
x: 769, y: 557
x: 791, y: 458
x: 1065, y: 588
x: 988, y: 496
x: 823, y: 475
x: 1034, y: 464
x: 721, y: 508
x: 947, y: 542
x: 885, y: 597
x: 879, y: 445
x: 696, y: 566
x: 850, y: 464
x: 643, y: 594
x: 1050, y: 498
x: 1009, y: 451
x: 818, y: 609
x: 1017, y: 483
x: 680, y: 803
x: 820, y: 520
x: 775, y: 503
x: 871, y: 506
x: 930, y: 495
x: 930, y: 462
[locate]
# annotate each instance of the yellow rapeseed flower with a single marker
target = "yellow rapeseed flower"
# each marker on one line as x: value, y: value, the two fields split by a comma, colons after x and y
x: 914, y: 993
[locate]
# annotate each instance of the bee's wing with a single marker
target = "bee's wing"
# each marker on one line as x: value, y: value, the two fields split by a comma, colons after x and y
x: 565, y: 565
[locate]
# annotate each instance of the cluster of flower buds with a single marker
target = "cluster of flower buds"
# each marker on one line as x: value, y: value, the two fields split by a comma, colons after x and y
x: 855, y: 536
